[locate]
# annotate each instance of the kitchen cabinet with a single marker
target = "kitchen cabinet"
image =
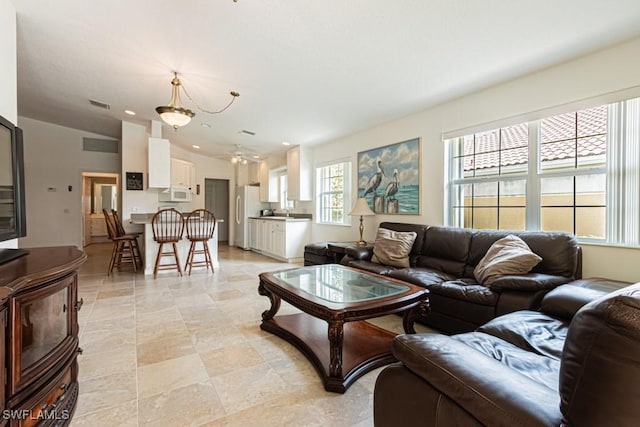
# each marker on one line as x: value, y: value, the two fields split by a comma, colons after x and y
x: 159, y: 163
x: 254, y: 233
x: 268, y: 183
x: 280, y: 238
x: 299, y: 174
x: 183, y: 173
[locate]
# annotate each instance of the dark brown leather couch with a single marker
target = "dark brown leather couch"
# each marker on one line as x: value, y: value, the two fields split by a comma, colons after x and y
x: 527, y: 368
x: 443, y: 258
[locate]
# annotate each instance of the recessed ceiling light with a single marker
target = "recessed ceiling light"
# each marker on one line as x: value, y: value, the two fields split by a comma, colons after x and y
x: 196, y: 146
x: 129, y: 112
x: 205, y: 125
x: 285, y: 143
x: 255, y: 156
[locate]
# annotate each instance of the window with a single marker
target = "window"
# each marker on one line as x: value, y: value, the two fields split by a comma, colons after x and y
x: 333, y: 198
x: 575, y: 172
x: 282, y: 192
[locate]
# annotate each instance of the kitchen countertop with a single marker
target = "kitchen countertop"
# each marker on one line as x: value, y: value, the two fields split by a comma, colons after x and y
x: 281, y: 218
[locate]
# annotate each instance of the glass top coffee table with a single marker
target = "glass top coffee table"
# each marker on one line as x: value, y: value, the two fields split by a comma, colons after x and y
x: 343, y: 297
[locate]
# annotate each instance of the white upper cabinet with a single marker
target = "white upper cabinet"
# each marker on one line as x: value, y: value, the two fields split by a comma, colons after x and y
x: 183, y: 173
x: 299, y: 174
x: 159, y: 158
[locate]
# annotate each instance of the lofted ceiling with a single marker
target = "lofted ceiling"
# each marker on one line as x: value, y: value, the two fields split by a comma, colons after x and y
x: 307, y: 71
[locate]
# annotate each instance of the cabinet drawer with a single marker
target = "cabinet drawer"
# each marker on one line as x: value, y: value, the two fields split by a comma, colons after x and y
x: 279, y: 226
x: 54, y: 407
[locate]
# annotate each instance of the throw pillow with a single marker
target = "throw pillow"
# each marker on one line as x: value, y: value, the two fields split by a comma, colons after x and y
x: 393, y: 247
x: 507, y: 256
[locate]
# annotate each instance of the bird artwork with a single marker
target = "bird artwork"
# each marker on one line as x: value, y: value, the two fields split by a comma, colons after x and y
x: 392, y: 187
x: 375, y: 181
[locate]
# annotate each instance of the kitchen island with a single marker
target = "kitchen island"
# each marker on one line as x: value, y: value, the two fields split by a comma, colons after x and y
x: 150, y: 247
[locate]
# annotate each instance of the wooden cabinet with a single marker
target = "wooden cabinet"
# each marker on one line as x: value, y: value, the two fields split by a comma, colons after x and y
x: 299, y: 174
x: 281, y: 239
x: 41, y: 335
x: 183, y: 173
x: 159, y: 163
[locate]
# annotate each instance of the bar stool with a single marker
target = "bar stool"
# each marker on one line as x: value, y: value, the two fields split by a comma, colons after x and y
x: 167, y: 226
x: 123, y: 246
x: 200, y: 225
x: 122, y: 232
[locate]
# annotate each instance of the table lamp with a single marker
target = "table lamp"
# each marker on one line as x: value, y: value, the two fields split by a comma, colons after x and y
x: 361, y: 208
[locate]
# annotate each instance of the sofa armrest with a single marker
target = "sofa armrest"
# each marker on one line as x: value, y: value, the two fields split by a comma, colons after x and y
x: 493, y: 393
x: 359, y: 252
x: 565, y: 301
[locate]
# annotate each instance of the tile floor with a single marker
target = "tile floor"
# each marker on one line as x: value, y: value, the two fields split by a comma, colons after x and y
x: 182, y: 351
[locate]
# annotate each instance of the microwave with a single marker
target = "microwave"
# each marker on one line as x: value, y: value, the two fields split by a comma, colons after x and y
x: 175, y: 193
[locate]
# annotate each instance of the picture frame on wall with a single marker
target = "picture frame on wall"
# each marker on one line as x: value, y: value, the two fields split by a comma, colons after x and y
x: 134, y: 181
x: 389, y: 178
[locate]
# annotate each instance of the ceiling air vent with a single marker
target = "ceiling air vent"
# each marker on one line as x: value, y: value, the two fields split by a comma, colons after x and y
x: 248, y: 132
x: 100, y: 104
x: 100, y: 145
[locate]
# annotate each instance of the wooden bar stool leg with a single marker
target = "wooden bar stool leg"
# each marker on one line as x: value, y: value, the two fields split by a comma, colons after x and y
x: 133, y: 256
x: 207, y: 255
x: 114, y: 253
x: 175, y: 253
x: 190, y: 256
x: 158, y: 256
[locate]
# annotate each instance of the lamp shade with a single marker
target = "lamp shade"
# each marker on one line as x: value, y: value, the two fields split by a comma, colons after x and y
x: 361, y: 208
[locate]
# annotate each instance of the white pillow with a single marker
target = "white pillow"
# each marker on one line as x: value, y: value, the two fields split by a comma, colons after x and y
x: 393, y: 247
x: 507, y: 256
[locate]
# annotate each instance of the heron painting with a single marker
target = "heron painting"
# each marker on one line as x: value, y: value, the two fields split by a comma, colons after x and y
x: 389, y: 178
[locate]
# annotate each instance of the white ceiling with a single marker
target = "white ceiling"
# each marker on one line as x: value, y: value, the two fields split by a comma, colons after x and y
x: 308, y: 71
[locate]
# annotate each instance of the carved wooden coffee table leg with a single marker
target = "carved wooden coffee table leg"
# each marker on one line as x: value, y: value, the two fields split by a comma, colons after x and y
x: 409, y: 317
x: 275, y: 302
x: 336, y: 335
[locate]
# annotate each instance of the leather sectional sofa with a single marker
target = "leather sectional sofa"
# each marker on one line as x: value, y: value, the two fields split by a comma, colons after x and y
x: 573, y: 363
x: 442, y: 260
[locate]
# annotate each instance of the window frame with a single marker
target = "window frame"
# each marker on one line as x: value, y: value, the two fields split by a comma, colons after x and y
x: 320, y: 170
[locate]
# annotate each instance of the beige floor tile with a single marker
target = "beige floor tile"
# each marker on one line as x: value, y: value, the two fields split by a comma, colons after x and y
x: 103, y: 392
x: 100, y: 363
x: 124, y: 415
x: 161, y: 330
x: 100, y: 341
x: 229, y: 359
x: 216, y: 337
x: 164, y: 349
x: 248, y: 387
x: 170, y: 374
x: 194, y: 404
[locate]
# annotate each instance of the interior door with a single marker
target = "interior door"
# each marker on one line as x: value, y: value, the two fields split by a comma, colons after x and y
x: 216, y: 199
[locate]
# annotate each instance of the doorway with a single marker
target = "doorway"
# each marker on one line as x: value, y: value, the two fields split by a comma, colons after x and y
x: 216, y: 199
x: 99, y: 191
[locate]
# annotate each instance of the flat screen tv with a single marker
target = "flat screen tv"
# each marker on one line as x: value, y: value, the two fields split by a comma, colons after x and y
x: 12, y: 206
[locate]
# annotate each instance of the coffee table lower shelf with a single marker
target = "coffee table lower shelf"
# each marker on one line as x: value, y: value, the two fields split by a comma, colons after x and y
x: 365, y: 346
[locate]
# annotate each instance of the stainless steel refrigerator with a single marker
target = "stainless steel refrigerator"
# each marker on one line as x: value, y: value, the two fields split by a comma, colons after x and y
x: 248, y: 204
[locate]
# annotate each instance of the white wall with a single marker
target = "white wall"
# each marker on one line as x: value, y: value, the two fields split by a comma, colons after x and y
x: 54, y: 158
x: 606, y: 72
x: 8, y: 79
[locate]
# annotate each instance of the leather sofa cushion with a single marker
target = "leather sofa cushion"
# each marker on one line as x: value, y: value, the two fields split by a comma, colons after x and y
x: 445, y: 249
x: 531, y: 331
x: 371, y: 267
x: 463, y: 290
x: 528, y: 282
x: 601, y: 362
x: 420, y: 276
x: 541, y: 369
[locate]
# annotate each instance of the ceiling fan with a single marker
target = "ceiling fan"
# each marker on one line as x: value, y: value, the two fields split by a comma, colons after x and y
x: 242, y: 155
